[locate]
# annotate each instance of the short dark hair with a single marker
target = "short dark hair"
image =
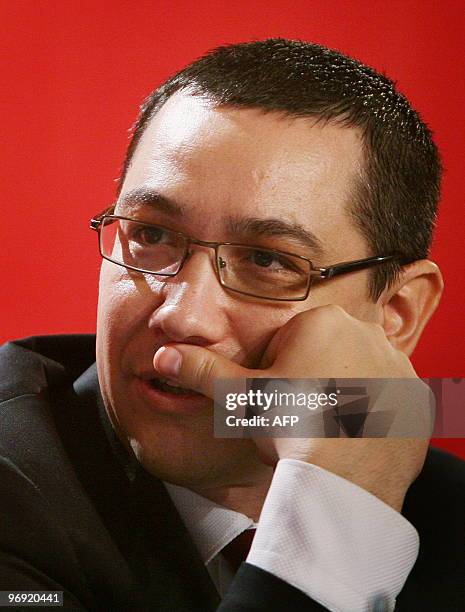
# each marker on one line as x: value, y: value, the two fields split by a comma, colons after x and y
x: 395, y: 201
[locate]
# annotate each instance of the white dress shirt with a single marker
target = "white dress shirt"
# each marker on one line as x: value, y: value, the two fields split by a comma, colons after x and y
x: 339, y: 544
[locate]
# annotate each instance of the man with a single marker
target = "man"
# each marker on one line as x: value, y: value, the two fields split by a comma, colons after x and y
x: 255, y: 170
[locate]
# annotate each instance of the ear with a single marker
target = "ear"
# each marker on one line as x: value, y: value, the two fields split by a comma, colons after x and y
x: 410, y: 302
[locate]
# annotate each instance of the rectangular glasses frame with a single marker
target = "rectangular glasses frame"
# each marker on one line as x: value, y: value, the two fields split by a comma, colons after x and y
x: 326, y: 272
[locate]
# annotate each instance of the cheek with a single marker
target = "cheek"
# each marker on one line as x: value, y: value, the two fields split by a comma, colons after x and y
x: 255, y: 330
x: 125, y: 301
x: 351, y: 292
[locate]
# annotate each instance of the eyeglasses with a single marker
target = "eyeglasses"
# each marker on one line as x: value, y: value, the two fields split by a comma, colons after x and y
x: 250, y: 270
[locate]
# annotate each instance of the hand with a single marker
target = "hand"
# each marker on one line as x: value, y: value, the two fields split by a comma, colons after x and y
x: 329, y: 343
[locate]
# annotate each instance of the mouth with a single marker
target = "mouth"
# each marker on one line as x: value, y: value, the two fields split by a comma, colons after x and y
x: 162, y: 384
x: 166, y: 396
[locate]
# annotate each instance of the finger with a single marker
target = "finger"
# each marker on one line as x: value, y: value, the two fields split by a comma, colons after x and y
x: 196, y: 368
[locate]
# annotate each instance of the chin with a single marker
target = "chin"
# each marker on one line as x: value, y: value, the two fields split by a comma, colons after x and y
x: 195, y: 461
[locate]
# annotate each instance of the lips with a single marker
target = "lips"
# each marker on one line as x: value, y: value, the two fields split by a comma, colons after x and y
x: 164, y: 382
x: 163, y: 395
x: 168, y: 386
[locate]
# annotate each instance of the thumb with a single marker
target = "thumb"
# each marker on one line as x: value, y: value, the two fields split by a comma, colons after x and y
x: 196, y: 368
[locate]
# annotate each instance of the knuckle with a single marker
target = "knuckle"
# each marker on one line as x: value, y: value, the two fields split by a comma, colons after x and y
x: 329, y: 311
x: 376, y: 329
x: 336, y: 313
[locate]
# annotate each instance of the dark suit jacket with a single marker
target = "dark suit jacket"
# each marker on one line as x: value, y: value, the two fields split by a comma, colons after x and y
x: 71, y: 519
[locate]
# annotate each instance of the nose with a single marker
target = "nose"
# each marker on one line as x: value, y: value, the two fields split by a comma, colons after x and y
x: 193, y: 308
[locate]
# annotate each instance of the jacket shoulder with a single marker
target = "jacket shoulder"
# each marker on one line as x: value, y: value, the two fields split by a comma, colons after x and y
x: 443, y: 473
x: 437, y: 497
x: 34, y: 372
x: 435, y: 505
x: 32, y: 365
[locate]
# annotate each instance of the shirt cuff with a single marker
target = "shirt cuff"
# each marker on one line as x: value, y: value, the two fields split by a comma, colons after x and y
x: 336, y: 542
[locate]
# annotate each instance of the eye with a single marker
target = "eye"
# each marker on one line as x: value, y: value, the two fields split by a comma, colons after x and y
x: 272, y: 261
x: 262, y: 258
x: 148, y: 235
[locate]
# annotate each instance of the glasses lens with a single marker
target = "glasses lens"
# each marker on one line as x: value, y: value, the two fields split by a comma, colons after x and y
x: 149, y: 248
x: 263, y: 273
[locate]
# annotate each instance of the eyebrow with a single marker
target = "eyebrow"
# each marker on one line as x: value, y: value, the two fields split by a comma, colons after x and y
x: 253, y: 226
x: 249, y: 227
x: 153, y: 199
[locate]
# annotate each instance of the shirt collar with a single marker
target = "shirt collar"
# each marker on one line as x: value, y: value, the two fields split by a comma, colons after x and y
x: 210, y: 525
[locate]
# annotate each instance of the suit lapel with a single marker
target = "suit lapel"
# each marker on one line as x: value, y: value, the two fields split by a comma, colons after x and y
x: 167, y: 550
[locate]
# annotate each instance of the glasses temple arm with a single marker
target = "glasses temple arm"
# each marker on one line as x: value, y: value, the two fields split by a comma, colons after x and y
x: 97, y: 219
x: 353, y: 266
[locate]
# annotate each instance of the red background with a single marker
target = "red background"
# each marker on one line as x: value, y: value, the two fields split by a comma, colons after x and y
x: 74, y: 75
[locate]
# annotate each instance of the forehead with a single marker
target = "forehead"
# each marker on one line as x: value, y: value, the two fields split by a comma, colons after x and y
x: 218, y: 160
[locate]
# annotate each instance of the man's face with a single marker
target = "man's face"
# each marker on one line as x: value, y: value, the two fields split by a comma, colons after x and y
x: 216, y: 164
